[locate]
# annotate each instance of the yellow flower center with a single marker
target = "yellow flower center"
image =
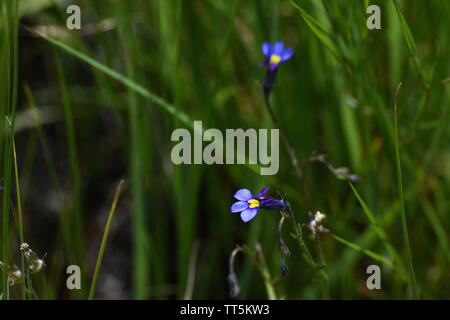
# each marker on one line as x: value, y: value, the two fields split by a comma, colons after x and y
x: 253, y: 203
x: 275, y: 59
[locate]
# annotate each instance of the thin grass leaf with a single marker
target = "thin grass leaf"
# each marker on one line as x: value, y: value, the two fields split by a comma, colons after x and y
x: 19, y: 211
x: 76, y: 218
x: 381, y: 234
x: 402, y: 204
x: 318, y: 29
x: 141, y: 240
x: 104, y: 240
x: 8, y: 107
x: 437, y: 226
x: 410, y: 42
x: 367, y: 252
x: 117, y: 76
x: 180, y: 115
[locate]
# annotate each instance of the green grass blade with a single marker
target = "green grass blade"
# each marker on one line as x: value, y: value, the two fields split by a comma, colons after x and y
x: 19, y: 212
x: 9, y: 55
x: 180, y: 115
x: 141, y: 238
x: 367, y: 252
x: 380, y: 232
x: 366, y: 240
x: 411, y: 45
x: 104, y: 240
x: 76, y: 218
x: 117, y: 76
x: 318, y: 30
x: 402, y: 204
x: 43, y: 140
x: 436, y: 224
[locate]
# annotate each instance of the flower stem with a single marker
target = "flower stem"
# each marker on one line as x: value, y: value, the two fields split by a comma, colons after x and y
x: 299, y: 237
x: 300, y: 177
x: 307, y: 254
x: 286, y: 144
x: 284, y: 140
x: 259, y: 262
x: 325, y: 285
x: 264, y: 270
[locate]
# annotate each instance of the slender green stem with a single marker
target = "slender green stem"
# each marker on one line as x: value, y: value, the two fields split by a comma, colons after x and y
x: 325, y: 284
x: 19, y: 204
x: 260, y: 264
x: 31, y: 293
x: 9, y: 33
x: 141, y: 241
x: 307, y: 254
x: 270, y: 288
x: 320, y: 251
x: 402, y: 203
x: 43, y: 140
x: 19, y: 210
x: 77, y: 218
x: 5, y: 216
x: 104, y: 240
x: 282, y: 246
x: 299, y: 237
x: 300, y: 177
x: 190, y: 281
x: 289, y: 149
x: 284, y: 140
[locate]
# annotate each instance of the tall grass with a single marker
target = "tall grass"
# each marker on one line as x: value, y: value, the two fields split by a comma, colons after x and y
x: 99, y: 104
x: 8, y: 100
x: 412, y: 274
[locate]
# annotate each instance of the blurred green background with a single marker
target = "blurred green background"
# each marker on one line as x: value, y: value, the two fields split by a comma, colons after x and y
x: 79, y: 128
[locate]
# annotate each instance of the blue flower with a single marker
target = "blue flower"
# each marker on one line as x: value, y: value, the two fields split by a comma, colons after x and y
x: 275, y: 54
x: 248, y: 205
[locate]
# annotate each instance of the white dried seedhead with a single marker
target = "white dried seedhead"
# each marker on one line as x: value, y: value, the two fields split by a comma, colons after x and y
x: 315, y: 224
x: 35, y: 264
x: 14, y: 275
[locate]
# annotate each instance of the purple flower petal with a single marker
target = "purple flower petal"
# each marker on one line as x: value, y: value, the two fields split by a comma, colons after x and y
x: 239, y: 206
x: 280, y: 205
x: 248, y: 214
x: 267, y: 49
x: 287, y: 53
x: 262, y: 192
x: 264, y: 200
x: 278, y: 48
x: 264, y: 63
x: 243, y: 195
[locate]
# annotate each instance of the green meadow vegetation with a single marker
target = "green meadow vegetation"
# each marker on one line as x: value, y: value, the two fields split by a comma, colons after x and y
x: 86, y: 176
